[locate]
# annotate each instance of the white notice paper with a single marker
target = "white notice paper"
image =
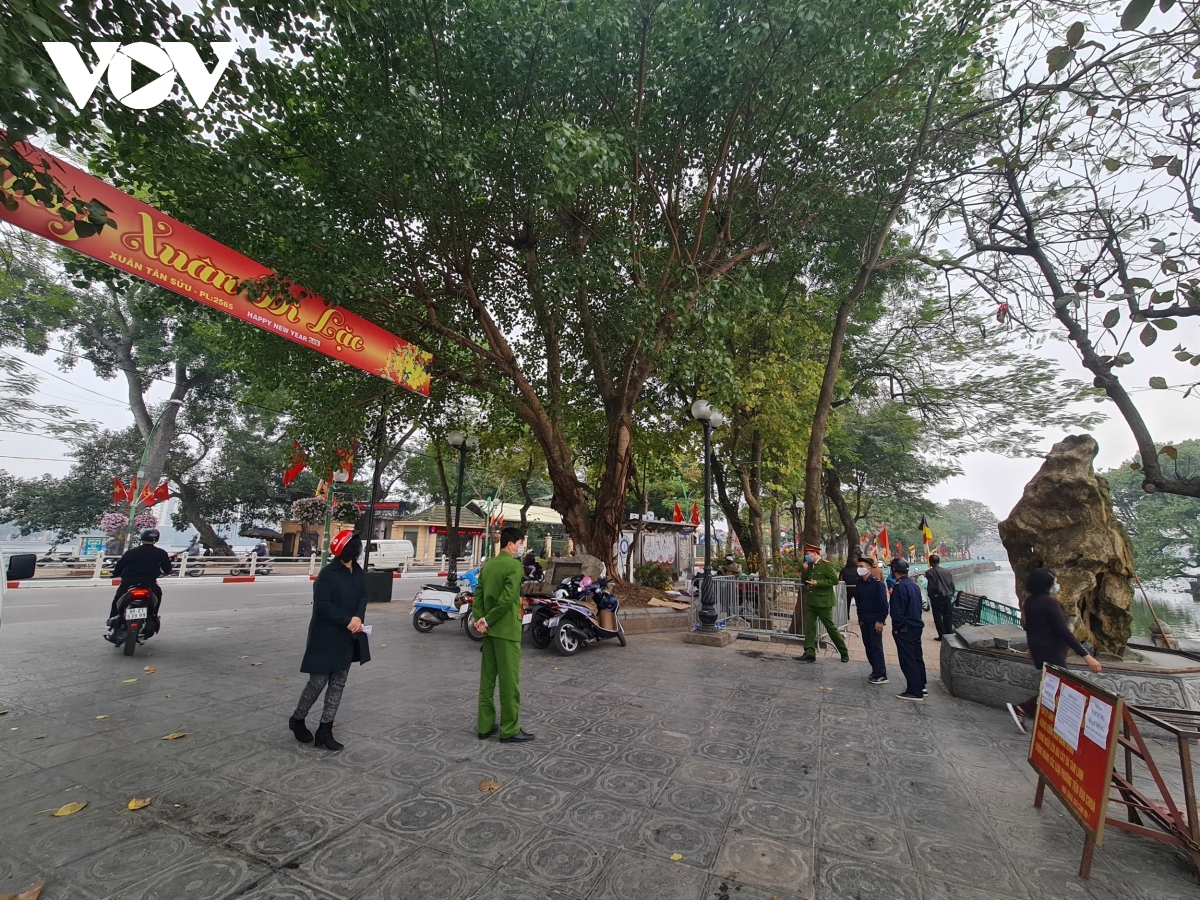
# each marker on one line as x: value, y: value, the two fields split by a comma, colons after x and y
x: 1068, y: 718
x: 367, y: 630
x: 1098, y: 721
x: 1049, y: 688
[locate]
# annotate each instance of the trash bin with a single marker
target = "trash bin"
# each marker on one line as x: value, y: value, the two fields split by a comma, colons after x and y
x: 379, y: 587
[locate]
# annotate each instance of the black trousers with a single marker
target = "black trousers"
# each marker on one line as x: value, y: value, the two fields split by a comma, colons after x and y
x: 943, y: 614
x: 873, y: 644
x: 912, y: 662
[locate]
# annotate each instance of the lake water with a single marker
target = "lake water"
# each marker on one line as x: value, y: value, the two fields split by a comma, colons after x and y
x: 1176, y: 610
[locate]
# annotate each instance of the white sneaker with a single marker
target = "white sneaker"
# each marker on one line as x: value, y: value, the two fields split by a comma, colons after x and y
x: 1018, y: 717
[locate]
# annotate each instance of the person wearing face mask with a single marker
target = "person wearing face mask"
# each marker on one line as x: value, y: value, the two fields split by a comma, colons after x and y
x: 1048, y: 634
x: 498, y: 617
x: 849, y: 574
x: 872, y: 605
x: 821, y: 577
x: 335, y: 638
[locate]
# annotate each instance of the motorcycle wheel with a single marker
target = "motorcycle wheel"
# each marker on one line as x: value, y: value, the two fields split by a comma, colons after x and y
x: 469, y: 627
x: 567, y: 640
x: 425, y: 621
x: 621, y: 635
x: 539, y: 631
x: 130, y: 642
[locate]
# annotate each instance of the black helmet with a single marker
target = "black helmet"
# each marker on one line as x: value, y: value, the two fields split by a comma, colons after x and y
x: 900, y: 566
x: 607, y: 601
x: 150, y: 535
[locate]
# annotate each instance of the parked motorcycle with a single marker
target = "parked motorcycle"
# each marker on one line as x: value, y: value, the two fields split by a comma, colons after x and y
x: 135, y: 621
x: 572, y: 624
x: 438, y: 603
x: 261, y: 567
x: 195, y: 564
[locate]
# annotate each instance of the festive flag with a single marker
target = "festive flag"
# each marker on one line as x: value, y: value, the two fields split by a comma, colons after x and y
x: 926, y: 533
x: 120, y: 494
x: 296, y: 464
x: 884, y: 542
x: 677, y: 516
x: 695, y: 514
x: 162, y: 492
x: 322, y: 490
x: 899, y: 549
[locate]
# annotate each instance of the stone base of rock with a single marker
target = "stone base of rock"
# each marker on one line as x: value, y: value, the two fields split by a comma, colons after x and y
x: 653, y: 619
x: 972, y: 670
x: 718, y: 638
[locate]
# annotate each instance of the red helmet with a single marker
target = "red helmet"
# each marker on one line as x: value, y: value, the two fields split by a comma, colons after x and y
x: 340, y: 540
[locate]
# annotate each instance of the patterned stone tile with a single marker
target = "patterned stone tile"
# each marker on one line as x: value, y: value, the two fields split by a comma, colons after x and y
x: 589, y: 815
x: 695, y: 801
x: 862, y: 804
x: 214, y: 876
x: 719, y: 887
x: 952, y: 861
x: 353, y: 861
x: 661, y: 835
x: 767, y: 863
x: 294, y: 833
x: 634, y: 876
x: 774, y: 818
x: 415, y: 817
x: 428, y: 874
x: 283, y: 887
x: 564, y: 865
x: 507, y: 885
x: 876, y: 840
x: 116, y: 868
x: 844, y: 876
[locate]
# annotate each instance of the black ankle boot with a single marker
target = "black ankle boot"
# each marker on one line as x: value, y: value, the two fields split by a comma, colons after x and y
x: 325, y: 737
x: 303, y: 735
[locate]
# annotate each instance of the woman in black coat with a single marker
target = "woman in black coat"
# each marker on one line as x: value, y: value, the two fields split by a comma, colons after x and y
x: 1048, y: 634
x: 335, y: 637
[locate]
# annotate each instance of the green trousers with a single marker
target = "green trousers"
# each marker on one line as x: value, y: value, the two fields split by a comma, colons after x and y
x: 502, y: 662
x: 824, y: 614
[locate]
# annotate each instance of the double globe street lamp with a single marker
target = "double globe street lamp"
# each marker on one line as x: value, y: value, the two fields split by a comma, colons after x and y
x: 460, y: 442
x: 703, y: 412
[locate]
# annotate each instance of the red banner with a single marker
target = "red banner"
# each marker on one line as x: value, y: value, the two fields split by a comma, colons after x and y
x: 167, y: 253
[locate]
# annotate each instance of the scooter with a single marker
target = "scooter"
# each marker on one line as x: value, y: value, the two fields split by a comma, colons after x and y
x: 576, y: 624
x: 135, y: 621
x: 261, y: 567
x: 438, y: 603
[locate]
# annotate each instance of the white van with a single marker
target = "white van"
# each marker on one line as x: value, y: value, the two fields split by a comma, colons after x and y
x: 390, y: 554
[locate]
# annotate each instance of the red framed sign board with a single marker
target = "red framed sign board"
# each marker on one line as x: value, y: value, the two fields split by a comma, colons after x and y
x: 1073, y: 748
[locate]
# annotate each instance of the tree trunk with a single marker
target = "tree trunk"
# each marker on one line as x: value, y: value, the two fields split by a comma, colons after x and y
x: 749, y: 532
x: 833, y: 490
x: 776, y: 550
x: 188, y: 501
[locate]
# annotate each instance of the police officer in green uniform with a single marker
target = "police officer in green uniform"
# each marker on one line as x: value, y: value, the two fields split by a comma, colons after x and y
x: 498, y: 616
x: 821, y: 576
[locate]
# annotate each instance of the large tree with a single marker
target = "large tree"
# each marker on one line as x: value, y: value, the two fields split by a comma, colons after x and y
x: 543, y: 195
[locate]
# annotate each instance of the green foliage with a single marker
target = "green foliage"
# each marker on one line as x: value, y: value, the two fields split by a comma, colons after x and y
x: 654, y: 575
x: 962, y: 524
x: 1164, y: 528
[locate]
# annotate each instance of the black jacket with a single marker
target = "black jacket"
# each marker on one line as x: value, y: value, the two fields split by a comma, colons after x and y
x: 850, y: 576
x: 338, y: 596
x: 1047, y: 631
x: 142, y: 565
x: 939, y: 582
x: 871, y: 601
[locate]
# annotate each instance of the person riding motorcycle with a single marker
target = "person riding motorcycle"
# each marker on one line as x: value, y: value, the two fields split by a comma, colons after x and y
x: 142, y: 566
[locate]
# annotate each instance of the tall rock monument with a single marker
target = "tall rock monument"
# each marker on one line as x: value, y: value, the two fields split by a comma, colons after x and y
x: 1064, y: 522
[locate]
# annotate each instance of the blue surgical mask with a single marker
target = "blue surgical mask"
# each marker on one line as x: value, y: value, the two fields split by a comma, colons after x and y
x: 1057, y: 587
x: 808, y: 557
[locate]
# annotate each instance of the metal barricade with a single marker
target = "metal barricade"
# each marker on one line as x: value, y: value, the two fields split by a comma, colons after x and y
x: 766, y: 605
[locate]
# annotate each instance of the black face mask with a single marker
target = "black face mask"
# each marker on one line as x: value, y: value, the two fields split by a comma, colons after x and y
x: 351, y: 551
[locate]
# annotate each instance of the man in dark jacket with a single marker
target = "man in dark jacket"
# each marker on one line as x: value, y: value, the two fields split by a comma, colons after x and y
x: 335, y: 637
x: 849, y: 575
x: 871, y: 601
x: 142, y: 565
x: 1048, y: 634
x: 907, y: 626
x: 940, y: 584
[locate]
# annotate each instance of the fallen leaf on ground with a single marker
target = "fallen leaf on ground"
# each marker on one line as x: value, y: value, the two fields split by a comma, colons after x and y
x: 129, y: 681
x: 101, y: 717
x: 149, y: 670
x: 181, y: 806
x: 557, y: 668
x: 33, y: 893
x: 381, y: 646
x: 168, y: 696
x: 175, y: 735
x: 676, y: 857
x: 823, y: 688
x: 70, y: 809
x: 488, y: 786
x: 40, y: 736
x: 280, y: 677
x: 139, y: 803
x: 243, y: 657
x: 18, y: 728
x: 256, y: 664
x: 3, y: 712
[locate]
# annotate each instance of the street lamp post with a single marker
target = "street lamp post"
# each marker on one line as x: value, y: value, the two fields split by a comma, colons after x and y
x: 709, y: 418
x: 461, y: 443
x: 141, y: 472
x: 797, y: 509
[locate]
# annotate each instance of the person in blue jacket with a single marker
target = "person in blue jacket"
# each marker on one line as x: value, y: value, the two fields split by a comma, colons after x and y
x: 907, y: 626
x: 871, y: 601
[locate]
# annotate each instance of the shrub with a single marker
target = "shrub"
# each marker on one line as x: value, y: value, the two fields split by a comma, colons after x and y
x: 655, y: 575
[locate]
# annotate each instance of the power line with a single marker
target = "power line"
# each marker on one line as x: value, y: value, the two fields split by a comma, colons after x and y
x: 39, y: 458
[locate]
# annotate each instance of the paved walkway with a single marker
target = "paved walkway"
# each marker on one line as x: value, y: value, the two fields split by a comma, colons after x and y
x: 661, y: 771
